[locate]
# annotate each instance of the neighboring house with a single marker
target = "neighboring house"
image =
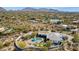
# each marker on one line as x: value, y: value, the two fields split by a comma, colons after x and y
x: 56, y: 21
x: 75, y: 31
x: 67, y: 27
x: 64, y: 26
x: 76, y: 22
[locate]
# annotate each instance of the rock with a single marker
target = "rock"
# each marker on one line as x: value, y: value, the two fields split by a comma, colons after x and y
x: 2, y: 29
x: 11, y: 48
x: 6, y: 42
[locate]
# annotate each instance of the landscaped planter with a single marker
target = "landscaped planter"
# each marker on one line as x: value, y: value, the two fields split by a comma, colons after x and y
x: 20, y: 46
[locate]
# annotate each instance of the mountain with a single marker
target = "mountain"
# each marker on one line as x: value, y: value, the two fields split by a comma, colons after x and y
x: 2, y: 9
x: 29, y: 9
x: 39, y: 9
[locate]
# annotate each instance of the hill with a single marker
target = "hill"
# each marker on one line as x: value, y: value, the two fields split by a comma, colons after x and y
x: 39, y: 9
x: 2, y: 9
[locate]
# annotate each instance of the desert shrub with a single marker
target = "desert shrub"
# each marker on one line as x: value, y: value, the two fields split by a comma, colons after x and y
x: 27, y: 36
x: 44, y: 48
x: 1, y: 44
x: 33, y: 34
x: 76, y: 37
x: 49, y: 43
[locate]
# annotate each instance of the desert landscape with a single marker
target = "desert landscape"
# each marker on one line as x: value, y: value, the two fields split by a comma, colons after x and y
x: 38, y: 29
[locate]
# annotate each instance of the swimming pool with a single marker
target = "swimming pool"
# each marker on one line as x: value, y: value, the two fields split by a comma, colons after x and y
x: 36, y: 39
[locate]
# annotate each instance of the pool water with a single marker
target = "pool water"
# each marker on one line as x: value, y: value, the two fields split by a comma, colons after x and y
x: 36, y: 39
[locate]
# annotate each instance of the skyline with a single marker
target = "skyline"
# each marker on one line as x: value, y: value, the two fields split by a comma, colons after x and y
x: 68, y: 9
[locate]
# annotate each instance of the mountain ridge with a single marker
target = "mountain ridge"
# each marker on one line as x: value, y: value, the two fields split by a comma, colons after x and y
x: 2, y: 9
x: 40, y: 9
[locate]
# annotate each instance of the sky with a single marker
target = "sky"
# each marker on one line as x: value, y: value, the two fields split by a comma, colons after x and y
x: 69, y: 9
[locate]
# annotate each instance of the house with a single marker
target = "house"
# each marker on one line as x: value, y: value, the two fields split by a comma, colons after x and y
x: 64, y: 26
x: 55, y: 37
x: 76, y: 22
x: 56, y: 21
x: 43, y: 34
x: 75, y: 30
x: 67, y: 27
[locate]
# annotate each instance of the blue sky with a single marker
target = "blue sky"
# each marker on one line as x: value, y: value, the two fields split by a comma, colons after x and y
x: 69, y: 9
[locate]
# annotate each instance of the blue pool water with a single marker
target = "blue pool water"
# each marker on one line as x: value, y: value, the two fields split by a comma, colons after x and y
x: 36, y: 39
